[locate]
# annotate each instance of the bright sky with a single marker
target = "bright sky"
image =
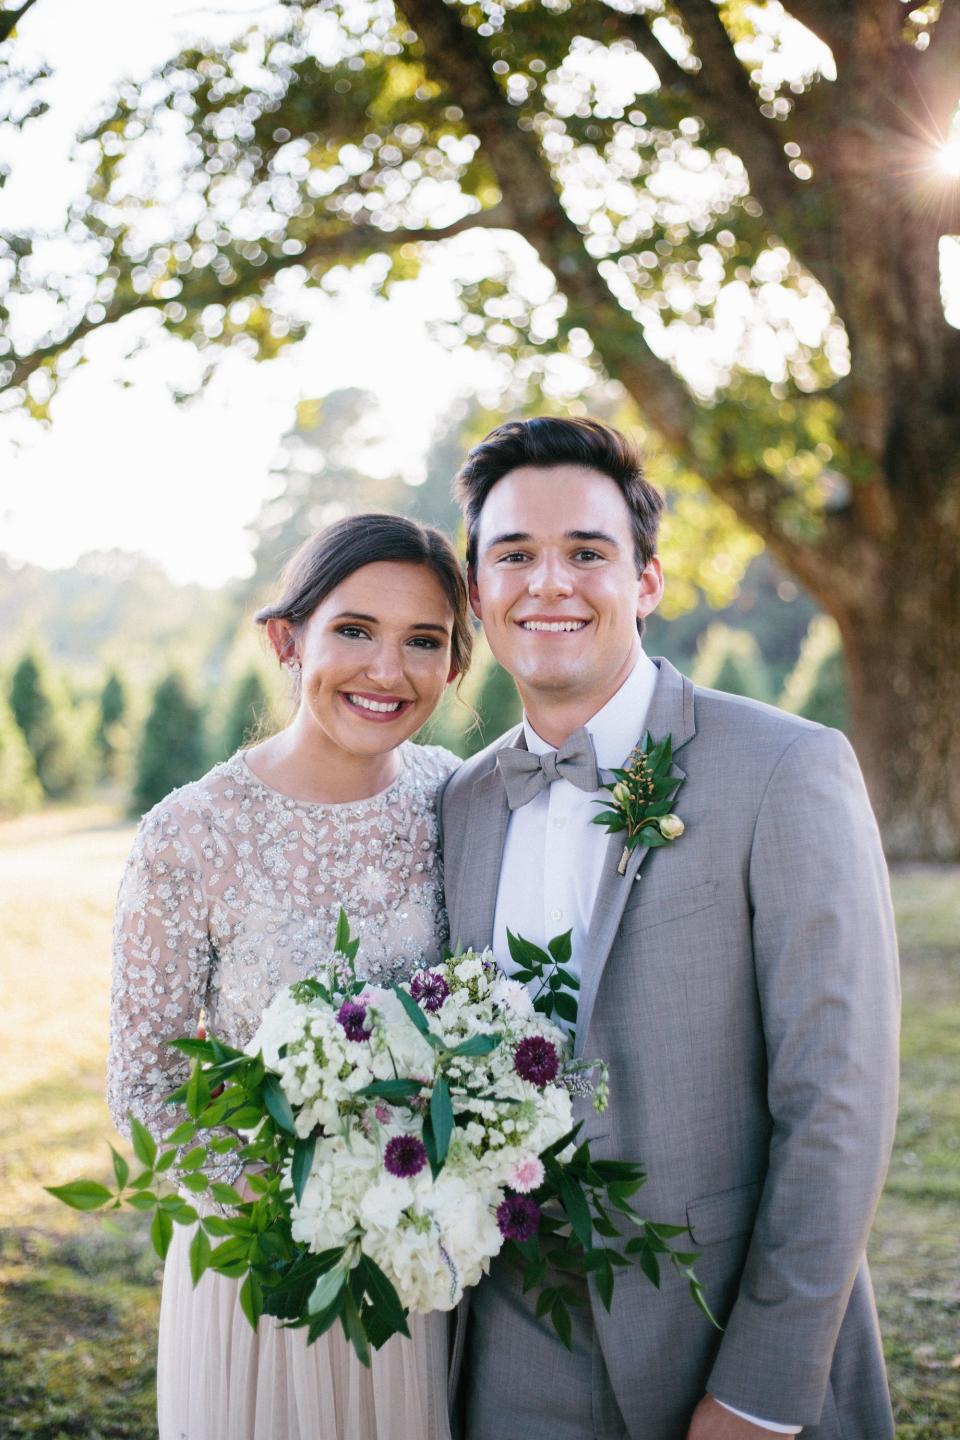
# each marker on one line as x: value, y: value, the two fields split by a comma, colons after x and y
x: 126, y: 466
x: 123, y: 465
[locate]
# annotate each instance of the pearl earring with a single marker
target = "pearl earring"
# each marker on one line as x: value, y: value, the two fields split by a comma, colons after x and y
x: 295, y: 666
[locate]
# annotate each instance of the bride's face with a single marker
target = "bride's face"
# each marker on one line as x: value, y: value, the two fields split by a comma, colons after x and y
x: 375, y: 656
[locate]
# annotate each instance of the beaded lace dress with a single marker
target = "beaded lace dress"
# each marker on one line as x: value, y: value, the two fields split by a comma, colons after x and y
x: 231, y: 891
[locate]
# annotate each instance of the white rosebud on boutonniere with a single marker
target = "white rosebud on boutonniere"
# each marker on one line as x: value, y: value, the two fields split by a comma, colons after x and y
x: 640, y: 798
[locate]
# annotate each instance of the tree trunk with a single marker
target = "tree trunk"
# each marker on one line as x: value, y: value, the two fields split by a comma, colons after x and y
x: 901, y: 653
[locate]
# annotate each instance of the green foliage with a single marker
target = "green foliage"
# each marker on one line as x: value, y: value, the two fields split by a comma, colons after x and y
x: 171, y: 750
x: 54, y: 727
x: 19, y: 787
x: 730, y: 660
x: 816, y: 687
x: 248, y: 715
x: 485, y: 706
x: 112, y: 735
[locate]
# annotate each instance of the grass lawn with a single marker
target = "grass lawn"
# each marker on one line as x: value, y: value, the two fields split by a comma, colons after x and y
x: 78, y: 1303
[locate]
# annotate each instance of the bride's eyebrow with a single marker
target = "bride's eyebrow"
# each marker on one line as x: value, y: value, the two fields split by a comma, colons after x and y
x: 372, y: 620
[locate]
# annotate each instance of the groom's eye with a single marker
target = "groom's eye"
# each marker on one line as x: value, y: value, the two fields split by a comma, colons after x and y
x: 588, y: 555
x: 512, y: 555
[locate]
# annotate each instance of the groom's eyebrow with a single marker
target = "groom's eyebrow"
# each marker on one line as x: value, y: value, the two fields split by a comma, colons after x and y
x: 520, y: 537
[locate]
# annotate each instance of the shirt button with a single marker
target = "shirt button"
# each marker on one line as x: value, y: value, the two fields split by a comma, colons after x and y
x: 556, y: 914
x: 559, y: 823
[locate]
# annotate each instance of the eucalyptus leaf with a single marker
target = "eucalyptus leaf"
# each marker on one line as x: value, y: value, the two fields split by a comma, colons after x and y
x: 326, y: 1290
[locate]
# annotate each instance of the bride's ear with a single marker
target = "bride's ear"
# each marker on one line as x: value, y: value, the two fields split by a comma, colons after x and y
x: 280, y: 635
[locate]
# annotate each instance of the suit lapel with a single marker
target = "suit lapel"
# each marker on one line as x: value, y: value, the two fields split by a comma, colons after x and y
x: 671, y: 712
x: 472, y: 917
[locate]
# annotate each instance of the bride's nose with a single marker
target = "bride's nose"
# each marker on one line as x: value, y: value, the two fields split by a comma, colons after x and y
x: 385, y: 666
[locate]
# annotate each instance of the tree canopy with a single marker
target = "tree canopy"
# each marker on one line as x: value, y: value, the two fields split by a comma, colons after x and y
x: 735, y: 210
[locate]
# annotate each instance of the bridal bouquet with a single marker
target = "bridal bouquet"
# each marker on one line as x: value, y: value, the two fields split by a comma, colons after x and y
x: 391, y: 1141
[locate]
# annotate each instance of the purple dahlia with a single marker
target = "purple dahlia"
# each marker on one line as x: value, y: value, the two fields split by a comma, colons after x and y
x: 536, y: 1060
x: 352, y: 1017
x: 518, y: 1217
x: 429, y: 990
x: 404, y: 1156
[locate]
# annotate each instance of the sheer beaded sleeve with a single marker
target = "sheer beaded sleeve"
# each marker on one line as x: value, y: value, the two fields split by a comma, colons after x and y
x: 162, y: 956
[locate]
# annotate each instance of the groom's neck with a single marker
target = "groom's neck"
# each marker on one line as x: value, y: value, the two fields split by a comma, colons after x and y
x: 556, y: 713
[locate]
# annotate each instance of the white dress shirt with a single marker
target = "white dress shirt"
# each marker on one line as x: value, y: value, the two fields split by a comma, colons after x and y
x: 553, y: 856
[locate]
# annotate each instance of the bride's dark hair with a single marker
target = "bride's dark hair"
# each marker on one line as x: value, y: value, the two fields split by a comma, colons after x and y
x: 325, y: 560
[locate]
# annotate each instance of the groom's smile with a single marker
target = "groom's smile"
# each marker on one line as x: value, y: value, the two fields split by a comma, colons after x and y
x: 557, y: 589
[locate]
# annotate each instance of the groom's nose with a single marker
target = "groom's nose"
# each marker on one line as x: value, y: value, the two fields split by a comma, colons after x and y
x: 550, y: 576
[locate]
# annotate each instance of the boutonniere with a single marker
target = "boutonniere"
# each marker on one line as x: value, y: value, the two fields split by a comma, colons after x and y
x: 641, y: 796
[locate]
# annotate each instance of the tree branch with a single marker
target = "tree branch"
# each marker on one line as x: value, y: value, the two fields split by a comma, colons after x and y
x: 349, y: 240
x: 10, y: 18
x: 825, y: 19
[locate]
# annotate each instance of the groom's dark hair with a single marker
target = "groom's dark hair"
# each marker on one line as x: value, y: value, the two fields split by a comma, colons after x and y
x: 547, y: 441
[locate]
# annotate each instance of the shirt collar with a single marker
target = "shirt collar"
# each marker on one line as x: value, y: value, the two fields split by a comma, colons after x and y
x: 615, y: 729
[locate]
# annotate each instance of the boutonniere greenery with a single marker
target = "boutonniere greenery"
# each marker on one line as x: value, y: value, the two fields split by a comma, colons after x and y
x: 641, y: 795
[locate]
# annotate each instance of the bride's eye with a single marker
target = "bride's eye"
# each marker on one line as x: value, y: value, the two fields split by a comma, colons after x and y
x: 425, y: 642
x: 352, y: 632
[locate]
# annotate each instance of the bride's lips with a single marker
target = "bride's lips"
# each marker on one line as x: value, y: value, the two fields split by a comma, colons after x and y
x: 366, y: 712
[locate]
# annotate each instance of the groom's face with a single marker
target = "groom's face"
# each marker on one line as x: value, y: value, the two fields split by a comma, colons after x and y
x: 556, y: 584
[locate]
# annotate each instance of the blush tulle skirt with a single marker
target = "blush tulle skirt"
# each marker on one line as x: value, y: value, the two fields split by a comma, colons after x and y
x: 217, y: 1379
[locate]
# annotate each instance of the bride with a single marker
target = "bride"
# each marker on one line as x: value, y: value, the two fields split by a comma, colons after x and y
x: 232, y: 890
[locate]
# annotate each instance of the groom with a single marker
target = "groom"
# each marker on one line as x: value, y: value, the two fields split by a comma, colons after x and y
x: 741, y: 982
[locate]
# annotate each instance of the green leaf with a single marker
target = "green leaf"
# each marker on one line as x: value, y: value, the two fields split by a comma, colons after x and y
x: 341, y: 940
x: 566, y: 1006
x: 142, y: 1200
x: 392, y: 1090
x: 303, y: 1152
x: 478, y: 1045
x: 245, y: 1117
x: 561, y: 947
x: 575, y: 1204
x: 217, y: 1226
x: 413, y: 1010
x: 545, y: 1300
x: 251, y: 1299
x: 144, y: 1145
x: 161, y: 1233
x: 560, y: 1316
x: 224, y: 1143
x: 278, y: 1104
x: 524, y: 952
x: 194, y: 1158
x: 231, y: 1253
x: 354, y: 1327
x: 441, y: 1113
x: 120, y: 1168
x: 380, y: 1289
x: 225, y: 1194
x: 666, y: 1232
x: 194, y: 1183
x: 650, y: 1265
x: 164, y: 1160
x: 199, y: 1255
x: 196, y: 1049
x: 198, y: 1091
x: 326, y: 1290
x: 183, y: 1134
x: 605, y: 1283
x: 81, y: 1194
x: 430, y: 1145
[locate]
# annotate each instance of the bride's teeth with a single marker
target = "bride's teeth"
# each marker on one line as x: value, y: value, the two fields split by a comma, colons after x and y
x: 381, y: 707
x: 554, y: 624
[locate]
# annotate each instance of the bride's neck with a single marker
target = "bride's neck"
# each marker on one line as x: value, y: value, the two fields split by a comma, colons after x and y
x: 301, y: 761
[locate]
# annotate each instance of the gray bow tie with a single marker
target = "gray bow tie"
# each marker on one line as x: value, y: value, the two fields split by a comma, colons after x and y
x: 525, y: 774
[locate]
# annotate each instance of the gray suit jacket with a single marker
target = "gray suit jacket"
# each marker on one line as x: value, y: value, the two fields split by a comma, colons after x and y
x: 742, y: 984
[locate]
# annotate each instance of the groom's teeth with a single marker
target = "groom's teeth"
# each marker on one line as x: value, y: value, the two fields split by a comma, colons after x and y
x: 553, y: 624
x: 382, y: 707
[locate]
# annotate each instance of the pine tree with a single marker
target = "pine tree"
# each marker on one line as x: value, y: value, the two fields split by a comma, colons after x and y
x: 816, y: 687
x: 171, y: 749
x: 111, y: 735
x: 51, y: 727
x: 19, y: 787
x: 730, y: 660
x: 248, y: 714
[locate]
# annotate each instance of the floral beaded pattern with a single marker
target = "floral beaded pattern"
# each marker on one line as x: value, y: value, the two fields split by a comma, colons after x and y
x: 232, y: 890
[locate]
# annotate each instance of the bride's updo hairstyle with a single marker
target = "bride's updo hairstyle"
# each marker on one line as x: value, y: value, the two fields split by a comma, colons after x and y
x: 328, y: 558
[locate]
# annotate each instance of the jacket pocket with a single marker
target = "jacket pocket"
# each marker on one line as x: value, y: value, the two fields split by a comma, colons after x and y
x: 668, y: 907
x: 722, y: 1216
